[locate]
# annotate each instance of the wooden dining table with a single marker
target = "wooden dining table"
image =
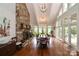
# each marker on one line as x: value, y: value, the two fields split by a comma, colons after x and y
x: 42, y: 42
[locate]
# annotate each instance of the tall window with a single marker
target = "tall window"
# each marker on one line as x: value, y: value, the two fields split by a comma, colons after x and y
x: 66, y: 29
x: 65, y: 6
x: 72, y: 4
x: 60, y: 12
x: 60, y: 32
x: 74, y: 30
x: 35, y: 30
x: 49, y: 29
x: 40, y: 30
x: 59, y: 29
x: 66, y: 34
x: 44, y: 29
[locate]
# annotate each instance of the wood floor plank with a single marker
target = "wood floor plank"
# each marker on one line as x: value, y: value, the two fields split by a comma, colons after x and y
x: 57, y: 49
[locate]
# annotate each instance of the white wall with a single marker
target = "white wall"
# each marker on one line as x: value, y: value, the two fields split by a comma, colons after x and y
x: 8, y: 10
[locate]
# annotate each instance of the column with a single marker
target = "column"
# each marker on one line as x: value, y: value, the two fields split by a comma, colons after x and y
x: 78, y: 28
x: 63, y: 32
x: 69, y: 30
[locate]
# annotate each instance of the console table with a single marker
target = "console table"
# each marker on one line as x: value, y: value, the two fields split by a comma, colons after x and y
x: 8, y: 48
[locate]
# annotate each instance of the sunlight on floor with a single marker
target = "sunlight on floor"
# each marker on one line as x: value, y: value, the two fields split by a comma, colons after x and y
x: 34, y: 41
x: 51, y: 41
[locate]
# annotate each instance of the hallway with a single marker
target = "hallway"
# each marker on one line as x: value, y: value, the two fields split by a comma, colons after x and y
x: 57, y: 48
x: 21, y: 23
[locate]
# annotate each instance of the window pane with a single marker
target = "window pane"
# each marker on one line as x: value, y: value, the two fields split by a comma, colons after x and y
x: 74, y: 35
x: 66, y: 29
x: 40, y: 30
x: 64, y: 7
x: 60, y: 32
x: 60, y: 12
x: 66, y: 33
x: 74, y: 30
x: 49, y: 29
x: 57, y: 32
x: 44, y: 30
x: 72, y: 4
x: 35, y: 30
x: 58, y: 29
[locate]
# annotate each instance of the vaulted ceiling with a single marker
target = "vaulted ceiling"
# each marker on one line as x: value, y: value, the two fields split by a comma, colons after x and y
x: 35, y: 13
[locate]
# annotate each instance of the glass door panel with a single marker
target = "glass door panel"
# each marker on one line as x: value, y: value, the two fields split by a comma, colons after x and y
x: 74, y: 30
x: 74, y: 35
x: 66, y: 33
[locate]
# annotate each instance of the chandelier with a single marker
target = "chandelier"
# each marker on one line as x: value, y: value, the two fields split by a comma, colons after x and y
x: 43, y: 8
x: 43, y: 16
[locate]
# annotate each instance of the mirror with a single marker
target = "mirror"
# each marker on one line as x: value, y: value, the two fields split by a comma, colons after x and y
x: 4, y: 26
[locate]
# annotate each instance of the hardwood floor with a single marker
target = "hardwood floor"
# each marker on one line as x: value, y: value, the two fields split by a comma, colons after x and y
x: 56, y: 48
